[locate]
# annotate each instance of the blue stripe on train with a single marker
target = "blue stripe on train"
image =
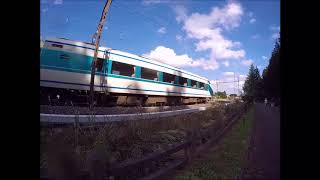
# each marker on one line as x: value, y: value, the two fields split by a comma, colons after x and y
x: 75, y: 61
x: 115, y: 76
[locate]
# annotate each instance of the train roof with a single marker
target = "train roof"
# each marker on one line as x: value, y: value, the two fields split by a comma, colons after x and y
x: 101, y: 48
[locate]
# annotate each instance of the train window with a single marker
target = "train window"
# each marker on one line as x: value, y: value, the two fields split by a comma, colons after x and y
x: 64, y: 56
x: 201, y: 85
x: 193, y: 83
x: 169, y: 78
x: 122, y: 69
x: 160, y: 76
x: 57, y: 45
x: 147, y: 73
x: 198, y: 84
x: 99, y: 64
x: 183, y: 81
x: 206, y: 86
x: 189, y: 82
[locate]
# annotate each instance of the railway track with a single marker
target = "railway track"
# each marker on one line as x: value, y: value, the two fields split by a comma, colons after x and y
x: 48, y: 119
x: 46, y: 109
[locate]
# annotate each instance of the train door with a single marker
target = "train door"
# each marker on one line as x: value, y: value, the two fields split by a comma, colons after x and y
x: 102, y: 68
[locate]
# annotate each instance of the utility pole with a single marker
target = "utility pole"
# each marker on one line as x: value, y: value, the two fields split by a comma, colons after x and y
x: 96, y: 40
x: 234, y: 84
x: 238, y: 86
x: 217, y: 86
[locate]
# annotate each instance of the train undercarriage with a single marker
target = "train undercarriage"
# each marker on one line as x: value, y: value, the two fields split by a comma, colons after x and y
x: 71, y: 97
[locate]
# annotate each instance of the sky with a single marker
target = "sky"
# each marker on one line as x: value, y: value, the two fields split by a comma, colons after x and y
x: 218, y: 39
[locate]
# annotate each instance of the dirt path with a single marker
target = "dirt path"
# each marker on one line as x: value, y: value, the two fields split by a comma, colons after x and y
x: 264, y: 156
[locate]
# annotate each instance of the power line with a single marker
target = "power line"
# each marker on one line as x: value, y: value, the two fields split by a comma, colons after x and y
x: 229, y: 81
x: 239, y: 86
x: 234, y: 87
x: 236, y: 83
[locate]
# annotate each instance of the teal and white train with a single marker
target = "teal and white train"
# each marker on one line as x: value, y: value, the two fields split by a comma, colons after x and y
x: 121, y: 78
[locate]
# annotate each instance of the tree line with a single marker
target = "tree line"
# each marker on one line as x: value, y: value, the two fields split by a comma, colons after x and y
x: 222, y: 95
x: 267, y: 85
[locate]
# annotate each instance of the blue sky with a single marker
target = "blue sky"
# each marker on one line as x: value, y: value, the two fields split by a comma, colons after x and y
x: 211, y: 38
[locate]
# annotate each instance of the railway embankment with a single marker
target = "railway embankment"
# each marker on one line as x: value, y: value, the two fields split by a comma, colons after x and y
x: 116, y: 143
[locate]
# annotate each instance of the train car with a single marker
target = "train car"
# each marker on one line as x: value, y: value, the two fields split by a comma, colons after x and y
x: 121, y: 78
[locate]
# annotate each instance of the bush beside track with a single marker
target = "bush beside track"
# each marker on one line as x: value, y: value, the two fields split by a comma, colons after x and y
x: 117, y: 142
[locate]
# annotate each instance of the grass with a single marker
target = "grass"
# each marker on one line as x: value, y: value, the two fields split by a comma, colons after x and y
x: 226, y: 160
x: 120, y: 141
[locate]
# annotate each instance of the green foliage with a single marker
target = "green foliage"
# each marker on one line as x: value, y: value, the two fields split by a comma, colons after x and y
x: 253, y: 85
x: 120, y: 141
x: 226, y: 160
x: 269, y: 84
x: 222, y: 95
x: 271, y: 75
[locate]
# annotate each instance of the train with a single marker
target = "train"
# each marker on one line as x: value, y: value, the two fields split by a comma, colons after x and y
x: 121, y: 78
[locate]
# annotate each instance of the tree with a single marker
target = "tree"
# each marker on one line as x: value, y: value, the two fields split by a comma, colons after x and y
x: 271, y: 75
x: 253, y: 84
x: 222, y: 95
x: 258, y: 84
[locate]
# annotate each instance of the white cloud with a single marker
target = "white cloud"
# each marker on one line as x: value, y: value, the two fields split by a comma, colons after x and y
x: 264, y: 57
x: 213, y: 82
x: 44, y: 10
x: 237, y: 44
x: 242, y: 77
x: 256, y: 36
x: 58, y: 2
x: 275, y: 28
x: 206, y: 64
x: 207, y: 30
x: 275, y: 35
x: 181, y: 12
x: 226, y: 63
x: 228, y: 73
x: 162, y: 30
x: 168, y: 56
x: 178, y: 37
x: 253, y: 20
x: 227, y: 17
x: 150, y: 2
x: 247, y: 62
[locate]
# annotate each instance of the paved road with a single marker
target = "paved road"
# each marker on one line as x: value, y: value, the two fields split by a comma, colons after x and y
x: 264, y: 161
